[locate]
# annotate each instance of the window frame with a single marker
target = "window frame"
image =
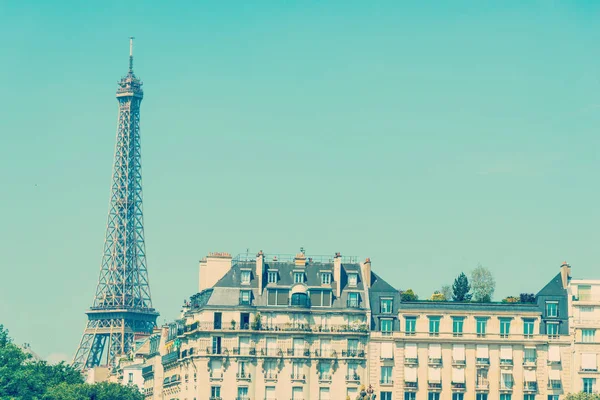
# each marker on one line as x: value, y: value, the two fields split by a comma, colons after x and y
x: 272, y: 277
x: 353, y: 279
x: 386, y: 310
x: 410, y: 322
x: 434, y: 325
x: 458, y: 324
x: 555, y: 308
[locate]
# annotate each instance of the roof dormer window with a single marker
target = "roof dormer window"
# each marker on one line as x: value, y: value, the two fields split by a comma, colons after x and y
x: 272, y: 277
x: 298, y: 277
x: 245, y: 277
x: 352, y: 279
x: 325, y: 278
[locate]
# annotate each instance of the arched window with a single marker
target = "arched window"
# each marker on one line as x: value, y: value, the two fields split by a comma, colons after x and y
x: 300, y: 300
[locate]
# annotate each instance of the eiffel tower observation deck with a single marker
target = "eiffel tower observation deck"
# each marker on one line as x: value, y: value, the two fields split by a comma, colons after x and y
x: 122, y: 308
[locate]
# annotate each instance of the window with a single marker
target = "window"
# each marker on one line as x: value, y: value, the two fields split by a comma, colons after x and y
x: 386, y: 306
x: 481, y: 396
x: 297, y: 367
x: 277, y: 297
x: 528, y: 327
x: 410, y: 326
x: 352, y: 345
x: 434, y: 326
x: 552, y: 309
x: 550, y: 397
x: 320, y: 298
x: 433, y: 396
x: 245, y: 277
x: 530, y: 355
x: 458, y: 396
x: 215, y: 392
x: 353, y: 300
x: 130, y: 378
x: 325, y: 278
x: 386, y: 375
x: 243, y: 393
x: 298, y: 277
x: 297, y: 393
x: 588, y: 385
x: 552, y: 329
x: 385, y: 395
x: 272, y: 277
x: 324, y: 371
x: 352, y: 279
x: 324, y: 393
x: 504, y: 327
x: 506, y: 396
x: 386, y: 325
x: 410, y: 396
x: 506, y: 381
x: 584, y: 293
x: 529, y: 397
x: 353, y: 371
x: 587, y: 335
x: 457, y: 326
x: 481, y: 326
x: 242, y: 369
x: 300, y: 300
x: 216, y: 345
x: 217, y: 319
x: 245, y: 297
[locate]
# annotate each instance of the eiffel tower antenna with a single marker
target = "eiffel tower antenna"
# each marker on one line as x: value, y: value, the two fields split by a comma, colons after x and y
x: 122, y: 307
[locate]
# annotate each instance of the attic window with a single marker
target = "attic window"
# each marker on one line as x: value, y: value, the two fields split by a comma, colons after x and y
x: 245, y: 277
x: 272, y: 277
x: 326, y: 278
x: 298, y: 277
x: 352, y: 279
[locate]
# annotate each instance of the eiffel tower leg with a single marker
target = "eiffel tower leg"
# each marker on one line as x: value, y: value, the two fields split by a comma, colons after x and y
x: 83, y: 351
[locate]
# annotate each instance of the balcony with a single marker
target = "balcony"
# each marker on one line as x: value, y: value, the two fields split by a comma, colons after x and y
x: 170, y: 358
x: 270, y: 376
x: 434, y: 334
x: 351, y: 353
x: 411, y: 361
x: 529, y: 362
x: 325, y: 377
x: 588, y: 370
x: 555, y: 385
x: 243, y: 376
x: 434, y: 386
x: 482, y: 386
x: 386, y: 382
x: 353, y: 378
x: 506, y: 362
x: 245, y: 302
x: 298, y: 352
x: 295, y: 377
x: 411, y: 386
x: 271, y: 352
x: 325, y: 353
x: 530, y: 387
x: 484, y: 362
x: 458, y: 386
x: 215, y: 376
x: 435, y: 361
x: 352, y: 303
x: 506, y: 386
x: 459, y: 362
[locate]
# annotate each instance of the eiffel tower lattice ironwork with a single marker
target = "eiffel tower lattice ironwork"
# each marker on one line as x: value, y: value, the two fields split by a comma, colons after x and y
x: 122, y: 306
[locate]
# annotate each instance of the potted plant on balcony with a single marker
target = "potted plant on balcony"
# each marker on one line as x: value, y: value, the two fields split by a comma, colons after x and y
x: 233, y: 323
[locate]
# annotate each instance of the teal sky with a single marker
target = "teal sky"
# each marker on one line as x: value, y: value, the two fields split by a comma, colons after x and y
x: 428, y: 138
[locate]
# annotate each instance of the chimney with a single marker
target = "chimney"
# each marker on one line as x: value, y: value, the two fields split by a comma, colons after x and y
x: 300, y: 260
x: 565, y: 274
x: 260, y: 270
x: 366, y: 272
x: 337, y: 273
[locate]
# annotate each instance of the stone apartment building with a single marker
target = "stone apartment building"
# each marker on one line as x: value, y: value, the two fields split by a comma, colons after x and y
x: 285, y: 327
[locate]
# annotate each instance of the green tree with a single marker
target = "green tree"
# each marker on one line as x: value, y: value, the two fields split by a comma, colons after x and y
x: 483, y: 283
x: 408, y: 295
x: 461, y: 288
x: 23, y: 378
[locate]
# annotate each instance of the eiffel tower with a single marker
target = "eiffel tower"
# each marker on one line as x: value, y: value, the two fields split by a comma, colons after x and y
x: 122, y: 307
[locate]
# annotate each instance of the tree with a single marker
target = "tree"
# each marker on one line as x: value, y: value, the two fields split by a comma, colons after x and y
x: 461, y: 288
x: 408, y: 295
x: 23, y: 378
x: 582, y: 396
x: 447, y: 291
x: 483, y: 284
x: 438, y: 296
x: 527, y: 298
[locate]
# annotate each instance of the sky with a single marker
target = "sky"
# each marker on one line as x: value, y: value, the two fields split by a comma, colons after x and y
x: 428, y: 136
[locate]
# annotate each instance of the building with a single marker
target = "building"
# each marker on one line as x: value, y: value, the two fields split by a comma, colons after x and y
x: 299, y: 327
x: 584, y: 320
x: 275, y: 327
